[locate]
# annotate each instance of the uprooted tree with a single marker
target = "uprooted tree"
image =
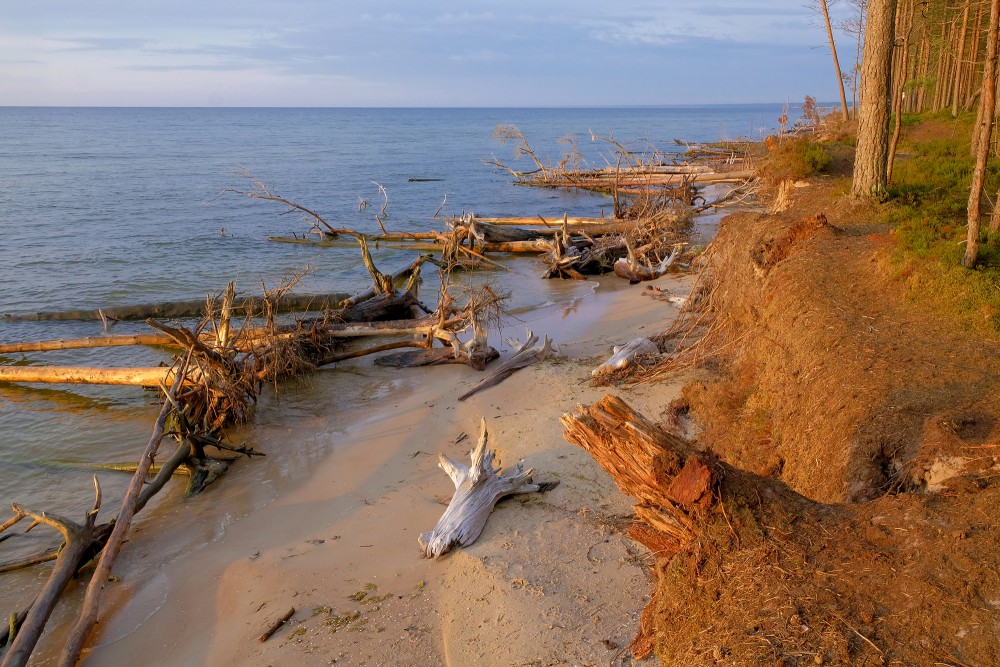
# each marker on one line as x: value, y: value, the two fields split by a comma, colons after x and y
x: 750, y: 571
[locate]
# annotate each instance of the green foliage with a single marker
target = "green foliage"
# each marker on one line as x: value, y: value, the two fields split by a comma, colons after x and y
x: 794, y: 159
x: 928, y: 211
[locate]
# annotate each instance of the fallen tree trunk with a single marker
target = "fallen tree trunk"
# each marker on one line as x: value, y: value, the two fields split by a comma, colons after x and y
x: 89, y: 342
x: 477, y: 490
x: 137, y: 377
x: 130, y: 505
x: 745, y: 565
x: 435, y: 356
x: 181, y: 309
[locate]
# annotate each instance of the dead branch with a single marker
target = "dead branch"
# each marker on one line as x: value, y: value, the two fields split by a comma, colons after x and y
x: 523, y: 357
x: 261, y: 192
x: 478, y: 488
x: 81, y: 543
x: 130, y: 505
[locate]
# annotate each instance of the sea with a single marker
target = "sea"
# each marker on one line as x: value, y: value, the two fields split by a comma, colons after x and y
x: 103, y: 207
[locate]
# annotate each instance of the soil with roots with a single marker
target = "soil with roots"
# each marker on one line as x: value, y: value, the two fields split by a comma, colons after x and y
x: 871, y: 535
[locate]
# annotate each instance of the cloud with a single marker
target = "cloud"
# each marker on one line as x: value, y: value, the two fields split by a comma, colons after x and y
x: 100, y: 43
x: 463, y: 18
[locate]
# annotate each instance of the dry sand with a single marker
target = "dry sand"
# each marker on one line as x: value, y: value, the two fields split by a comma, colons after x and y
x: 553, y: 580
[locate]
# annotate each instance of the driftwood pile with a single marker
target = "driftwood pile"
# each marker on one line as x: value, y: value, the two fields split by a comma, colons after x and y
x: 654, y: 198
x: 240, y: 346
x: 217, y: 376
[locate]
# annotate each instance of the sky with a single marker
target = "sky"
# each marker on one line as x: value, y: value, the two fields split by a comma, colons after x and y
x: 467, y: 53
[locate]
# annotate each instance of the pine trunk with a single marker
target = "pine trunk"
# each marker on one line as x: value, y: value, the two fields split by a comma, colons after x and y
x: 836, y: 62
x: 872, y: 157
x: 981, y: 137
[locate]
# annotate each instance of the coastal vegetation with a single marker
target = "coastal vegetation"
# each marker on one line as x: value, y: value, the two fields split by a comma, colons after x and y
x: 825, y: 489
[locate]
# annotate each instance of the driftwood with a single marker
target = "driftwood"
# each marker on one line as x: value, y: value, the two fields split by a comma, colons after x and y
x: 81, y: 542
x: 131, y: 504
x: 523, y: 357
x: 626, y: 355
x: 138, y: 377
x: 632, y: 270
x: 182, y: 309
x: 477, y: 490
x: 430, y: 357
x: 487, y: 233
x: 276, y: 625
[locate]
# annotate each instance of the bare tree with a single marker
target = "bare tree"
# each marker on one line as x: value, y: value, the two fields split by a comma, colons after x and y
x: 823, y: 8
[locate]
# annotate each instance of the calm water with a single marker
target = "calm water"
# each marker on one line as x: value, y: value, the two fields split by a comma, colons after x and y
x: 106, y: 207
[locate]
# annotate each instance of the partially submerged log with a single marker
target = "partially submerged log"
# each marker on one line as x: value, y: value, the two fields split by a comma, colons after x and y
x: 137, y: 377
x: 477, y: 490
x: 182, y: 309
x: 435, y: 356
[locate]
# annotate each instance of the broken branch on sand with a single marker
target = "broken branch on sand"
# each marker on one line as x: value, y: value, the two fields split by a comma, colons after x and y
x: 478, y: 488
x: 522, y: 358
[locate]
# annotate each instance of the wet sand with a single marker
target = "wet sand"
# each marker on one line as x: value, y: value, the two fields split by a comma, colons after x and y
x: 552, y: 580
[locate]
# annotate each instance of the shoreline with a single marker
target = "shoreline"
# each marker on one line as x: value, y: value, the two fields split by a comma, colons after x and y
x: 543, y: 563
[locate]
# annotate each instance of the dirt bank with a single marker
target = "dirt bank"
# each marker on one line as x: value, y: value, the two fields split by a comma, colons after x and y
x: 867, y: 533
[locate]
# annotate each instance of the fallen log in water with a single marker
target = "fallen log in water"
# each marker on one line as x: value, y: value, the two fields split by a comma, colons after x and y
x: 182, y: 309
x: 435, y: 356
x: 477, y: 490
x: 137, y: 377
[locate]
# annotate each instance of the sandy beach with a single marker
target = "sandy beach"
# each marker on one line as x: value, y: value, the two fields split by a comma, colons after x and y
x: 552, y: 580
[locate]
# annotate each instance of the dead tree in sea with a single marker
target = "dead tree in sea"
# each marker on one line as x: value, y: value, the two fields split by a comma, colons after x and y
x: 215, y: 382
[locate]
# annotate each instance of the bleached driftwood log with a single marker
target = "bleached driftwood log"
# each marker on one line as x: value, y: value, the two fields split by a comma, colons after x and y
x: 633, y: 271
x: 625, y: 355
x: 523, y: 357
x: 477, y: 490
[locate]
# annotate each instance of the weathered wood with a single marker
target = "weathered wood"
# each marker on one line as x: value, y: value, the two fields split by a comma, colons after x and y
x: 138, y: 377
x: 539, y: 220
x: 81, y: 542
x: 276, y: 625
x: 130, y: 505
x: 180, y: 309
x: 523, y: 357
x: 631, y: 270
x: 626, y: 355
x: 477, y: 490
x: 434, y: 356
x: 88, y: 342
x: 487, y: 233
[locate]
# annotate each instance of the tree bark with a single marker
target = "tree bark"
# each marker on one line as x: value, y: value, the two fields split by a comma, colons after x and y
x: 872, y: 157
x: 960, y: 64
x: 981, y: 137
x: 836, y: 62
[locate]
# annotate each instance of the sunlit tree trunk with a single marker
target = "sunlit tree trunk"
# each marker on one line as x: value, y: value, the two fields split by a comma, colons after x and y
x: 872, y: 157
x: 836, y: 62
x: 960, y: 64
x: 981, y: 136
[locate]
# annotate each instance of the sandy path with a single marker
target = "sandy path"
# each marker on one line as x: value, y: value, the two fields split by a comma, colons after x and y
x: 553, y: 580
